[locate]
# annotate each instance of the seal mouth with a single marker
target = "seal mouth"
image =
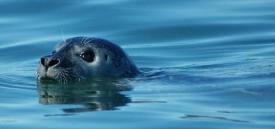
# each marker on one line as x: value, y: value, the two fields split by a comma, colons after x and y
x: 48, y: 80
x: 64, y: 77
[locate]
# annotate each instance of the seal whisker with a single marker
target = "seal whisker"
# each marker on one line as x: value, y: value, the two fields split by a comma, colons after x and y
x: 62, y: 34
x: 88, y: 40
x: 83, y: 40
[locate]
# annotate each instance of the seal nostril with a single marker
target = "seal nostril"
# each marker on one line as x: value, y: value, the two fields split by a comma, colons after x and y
x: 53, y: 62
x: 106, y: 57
x: 43, y: 61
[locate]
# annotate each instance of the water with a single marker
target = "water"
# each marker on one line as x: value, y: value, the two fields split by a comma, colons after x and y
x: 206, y: 64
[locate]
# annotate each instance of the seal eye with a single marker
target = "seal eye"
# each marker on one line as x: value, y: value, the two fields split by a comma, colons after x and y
x: 88, y: 56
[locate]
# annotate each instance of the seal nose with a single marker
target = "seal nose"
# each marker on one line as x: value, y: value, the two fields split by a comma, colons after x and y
x: 49, y: 61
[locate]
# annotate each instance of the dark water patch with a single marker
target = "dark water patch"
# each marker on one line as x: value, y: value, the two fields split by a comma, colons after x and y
x: 212, y: 117
x: 61, y: 115
x: 148, y: 101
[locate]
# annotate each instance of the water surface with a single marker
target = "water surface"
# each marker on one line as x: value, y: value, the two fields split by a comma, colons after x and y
x: 207, y: 64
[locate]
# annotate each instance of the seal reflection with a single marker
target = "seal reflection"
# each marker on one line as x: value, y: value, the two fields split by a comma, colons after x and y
x: 94, y: 95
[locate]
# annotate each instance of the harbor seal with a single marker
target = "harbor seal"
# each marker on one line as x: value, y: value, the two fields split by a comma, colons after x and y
x: 81, y: 58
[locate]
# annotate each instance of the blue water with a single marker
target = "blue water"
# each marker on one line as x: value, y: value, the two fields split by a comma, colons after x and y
x: 206, y: 64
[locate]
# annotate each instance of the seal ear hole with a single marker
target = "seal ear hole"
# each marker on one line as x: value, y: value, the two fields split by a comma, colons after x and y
x: 88, y: 56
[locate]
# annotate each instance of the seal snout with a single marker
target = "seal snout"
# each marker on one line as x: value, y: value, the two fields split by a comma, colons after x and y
x: 47, y: 65
x: 49, y: 61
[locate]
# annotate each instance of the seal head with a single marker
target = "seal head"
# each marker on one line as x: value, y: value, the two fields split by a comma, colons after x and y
x: 82, y: 58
